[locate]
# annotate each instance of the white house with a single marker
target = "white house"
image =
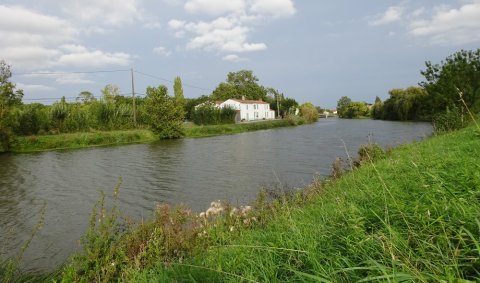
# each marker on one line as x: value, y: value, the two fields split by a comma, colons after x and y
x: 250, y: 110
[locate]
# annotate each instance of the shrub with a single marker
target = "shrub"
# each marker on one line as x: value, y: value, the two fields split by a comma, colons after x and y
x: 450, y: 120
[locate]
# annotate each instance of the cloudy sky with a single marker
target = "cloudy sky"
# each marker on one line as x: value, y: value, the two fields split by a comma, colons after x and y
x: 313, y: 51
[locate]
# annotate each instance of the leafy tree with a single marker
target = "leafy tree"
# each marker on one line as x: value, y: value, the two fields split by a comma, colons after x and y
x: 110, y: 92
x: 59, y: 113
x: 377, y: 109
x: 403, y: 104
x: 356, y: 110
x: 342, y: 106
x: 444, y: 82
x: 309, y: 112
x: 9, y: 97
x: 163, y: 113
x: 85, y: 97
x: 240, y: 84
x: 178, y: 93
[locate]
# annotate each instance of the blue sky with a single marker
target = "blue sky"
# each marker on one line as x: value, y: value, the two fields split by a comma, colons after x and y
x: 314, y: 51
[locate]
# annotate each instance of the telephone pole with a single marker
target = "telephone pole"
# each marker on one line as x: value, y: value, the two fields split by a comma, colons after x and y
x: 133, y: 99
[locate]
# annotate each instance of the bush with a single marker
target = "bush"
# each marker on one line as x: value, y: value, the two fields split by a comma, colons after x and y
x: 450, y: 120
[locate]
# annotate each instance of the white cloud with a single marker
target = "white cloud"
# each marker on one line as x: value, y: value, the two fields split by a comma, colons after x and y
x: 392, y: 14
x: 235, y: 20
x: 33, y: 41
x: 104, y: 12
x: 233, y: 58
x: 450, y: 26
x: 275, y: 8
x: 176, y: 24
x: 95, y: 58
x: 35, y: 88
x: 162, y: 51
x: 61, y: 78
x: 214, y: 7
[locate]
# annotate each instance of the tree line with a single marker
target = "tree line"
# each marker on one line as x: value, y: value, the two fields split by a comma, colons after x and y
x: 159, y: 111
x: 449, y: 89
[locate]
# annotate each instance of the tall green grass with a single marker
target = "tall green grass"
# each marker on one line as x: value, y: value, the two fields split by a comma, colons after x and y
x: 411, y: 215
x: 81, y: 140
x: 229, y: 129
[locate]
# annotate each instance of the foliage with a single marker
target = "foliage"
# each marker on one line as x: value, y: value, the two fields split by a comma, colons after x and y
x: 403, y: 104
x: 9, y: 97
x: 110, y: 92
x: 450, y: 120
x: 356, y: 110
x: 25, y: 144
x: 228, y: 129
x: 288, y: 106
x: 85, y: 97
x: 346, y: 108
x: 342, y: 106
x: 209, y: 114
x: 240, y: 84
x: 459, y: 73
x: 309, y: 112
x: 163, y: 113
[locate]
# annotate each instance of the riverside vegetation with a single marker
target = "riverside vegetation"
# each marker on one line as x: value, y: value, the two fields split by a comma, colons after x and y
x: 116, y: 119
x: 409, y: 214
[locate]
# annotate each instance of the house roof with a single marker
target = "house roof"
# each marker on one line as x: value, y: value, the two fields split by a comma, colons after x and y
x: 250, y: 101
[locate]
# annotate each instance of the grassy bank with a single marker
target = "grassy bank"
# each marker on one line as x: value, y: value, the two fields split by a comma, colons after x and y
x: 24, y: 144
x: 194, y: 131
x: 410, y: 215
x: 81, y: 140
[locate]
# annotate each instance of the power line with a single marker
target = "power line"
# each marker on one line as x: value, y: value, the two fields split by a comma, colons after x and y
x: 170, y: 81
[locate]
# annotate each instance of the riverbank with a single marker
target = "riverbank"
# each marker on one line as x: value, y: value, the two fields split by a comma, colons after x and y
x: 26, y: 144
x: 412, y: 214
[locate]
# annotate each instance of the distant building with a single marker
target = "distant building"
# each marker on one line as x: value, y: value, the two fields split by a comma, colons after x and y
x: 250, y: 110
x: 247, y: 110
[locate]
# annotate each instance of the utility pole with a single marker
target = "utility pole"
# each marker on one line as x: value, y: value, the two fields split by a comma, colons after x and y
x: 278, y: 104
x: 133, y: 99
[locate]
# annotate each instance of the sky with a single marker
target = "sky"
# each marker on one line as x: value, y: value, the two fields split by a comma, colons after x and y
x: 312, y: 51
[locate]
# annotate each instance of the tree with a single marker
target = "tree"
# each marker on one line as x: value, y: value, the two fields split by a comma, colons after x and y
x: 342, y: 106
x: 110, y: 92
x: 444, y: 82
x: 356, y: 110
x: 163, y: 113
x: 309, y: 112
x: 8, y: 98
x: 178, y: 93
x: 240, y: 84
x: 85, y: 97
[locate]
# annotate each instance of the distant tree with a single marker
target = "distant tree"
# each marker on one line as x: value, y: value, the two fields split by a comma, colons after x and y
x: 178, y: 93
x: 59, y: 112
x: 356, y: 110
x: 444, y: 82
x: 342, y: 106
x: 9, y: 97
x: 240, y: 84
x: 309, y: 112
x: 377, y: 109
x: 403, y: 104
x: 85, y: 97
x: 163, y: 113
x: 110, y: 92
